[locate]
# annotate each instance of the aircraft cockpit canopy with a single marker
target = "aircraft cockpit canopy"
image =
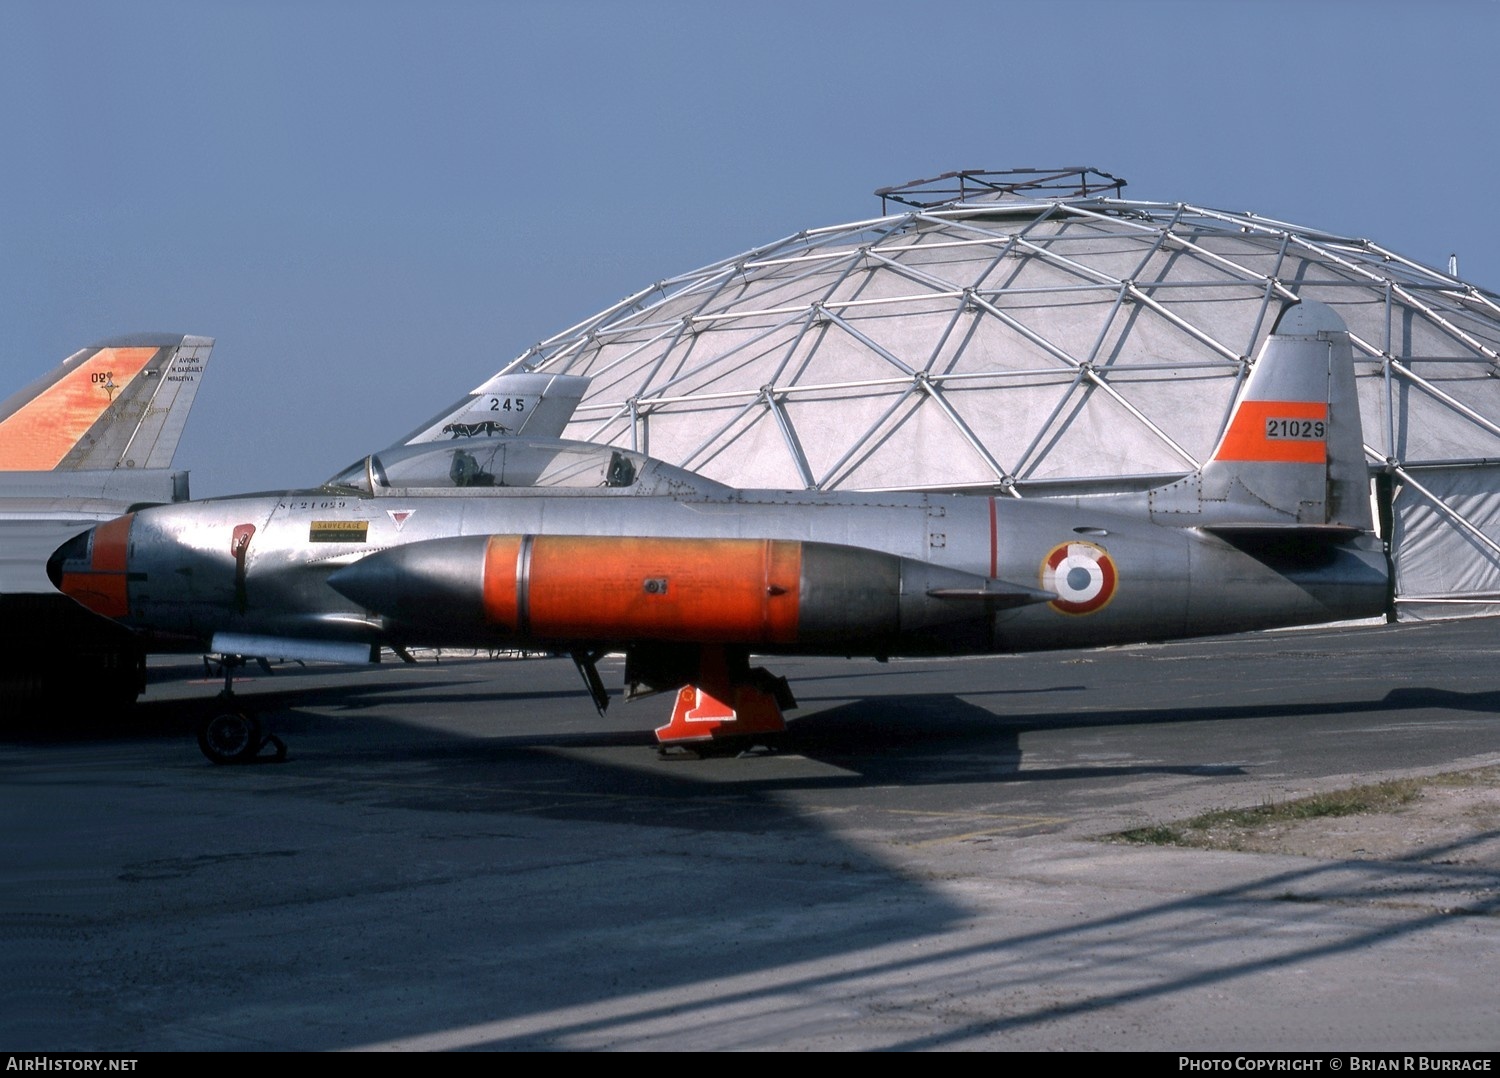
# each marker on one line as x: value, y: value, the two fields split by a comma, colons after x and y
x: 494, y: 463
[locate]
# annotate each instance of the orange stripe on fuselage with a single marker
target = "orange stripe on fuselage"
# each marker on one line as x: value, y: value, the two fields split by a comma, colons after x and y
x: 103, y: 588
x: 111, y: 544
x: 603, y: 588
x: 40, y: 434
x: 1246, y: 438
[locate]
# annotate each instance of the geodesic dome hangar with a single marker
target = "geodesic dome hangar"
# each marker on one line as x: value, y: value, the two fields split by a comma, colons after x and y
x: 1034, y: 332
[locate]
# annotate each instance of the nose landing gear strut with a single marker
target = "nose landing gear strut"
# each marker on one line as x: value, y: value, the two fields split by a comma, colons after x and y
x: 229, y: 734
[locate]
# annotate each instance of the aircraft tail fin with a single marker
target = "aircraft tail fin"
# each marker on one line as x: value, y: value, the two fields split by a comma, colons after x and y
x: 508, y: 405
x: 121, y: 403
x: 1292, y: 455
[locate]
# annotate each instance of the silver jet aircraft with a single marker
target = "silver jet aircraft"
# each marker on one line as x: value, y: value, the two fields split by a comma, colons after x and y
x: 581, y: 548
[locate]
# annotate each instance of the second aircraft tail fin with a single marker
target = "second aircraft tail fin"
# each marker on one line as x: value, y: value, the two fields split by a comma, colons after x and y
x: 508, y: 405
x: 121, y: 403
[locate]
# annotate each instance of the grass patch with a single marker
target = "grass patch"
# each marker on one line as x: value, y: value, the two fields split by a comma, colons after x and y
x: 1483, y: 776
x: 1230, y: 828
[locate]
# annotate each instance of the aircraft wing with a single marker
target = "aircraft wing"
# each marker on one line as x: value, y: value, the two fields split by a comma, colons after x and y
x: 40, y: 510
x: 121, y: 403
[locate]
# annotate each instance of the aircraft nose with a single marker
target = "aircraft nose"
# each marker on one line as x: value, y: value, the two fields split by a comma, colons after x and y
x: 91, y: 568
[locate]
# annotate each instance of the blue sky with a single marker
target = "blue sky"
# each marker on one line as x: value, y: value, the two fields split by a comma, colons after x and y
x: 375, y: 205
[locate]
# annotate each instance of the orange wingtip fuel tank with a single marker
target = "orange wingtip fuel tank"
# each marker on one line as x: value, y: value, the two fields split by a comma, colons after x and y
x: 635, y: 588
x: 102, y: 587
x: 581, y: 586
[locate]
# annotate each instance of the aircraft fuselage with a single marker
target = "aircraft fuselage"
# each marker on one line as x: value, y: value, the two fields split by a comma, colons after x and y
x: 262, y: 565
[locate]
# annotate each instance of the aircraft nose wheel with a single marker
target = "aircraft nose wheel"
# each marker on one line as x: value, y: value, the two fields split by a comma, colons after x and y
x: 233, y: 737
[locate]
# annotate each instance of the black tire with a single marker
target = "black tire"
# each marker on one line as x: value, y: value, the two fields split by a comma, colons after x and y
x: 229, y: 737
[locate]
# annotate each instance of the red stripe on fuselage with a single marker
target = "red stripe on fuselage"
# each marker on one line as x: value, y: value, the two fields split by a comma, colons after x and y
x: 994, y: 542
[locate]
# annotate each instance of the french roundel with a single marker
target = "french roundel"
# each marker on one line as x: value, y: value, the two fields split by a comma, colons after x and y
x: 1083, y: 576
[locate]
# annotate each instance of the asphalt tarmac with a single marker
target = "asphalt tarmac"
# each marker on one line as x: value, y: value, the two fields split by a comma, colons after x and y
x: 463, y: 855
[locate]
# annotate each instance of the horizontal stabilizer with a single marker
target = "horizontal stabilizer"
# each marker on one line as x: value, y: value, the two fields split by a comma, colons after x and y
x: 1328, y: 533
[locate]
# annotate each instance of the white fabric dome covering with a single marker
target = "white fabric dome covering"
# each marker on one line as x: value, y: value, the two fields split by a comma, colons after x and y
x: 1035, y: 332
